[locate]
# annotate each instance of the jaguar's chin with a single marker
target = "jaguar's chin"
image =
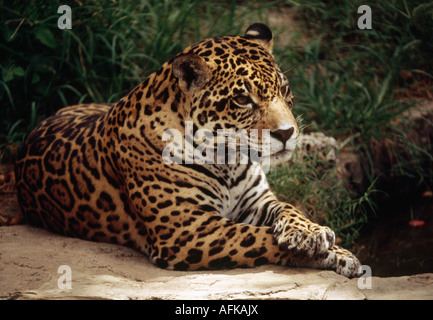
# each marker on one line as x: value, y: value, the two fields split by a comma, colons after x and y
x: 281, y: 156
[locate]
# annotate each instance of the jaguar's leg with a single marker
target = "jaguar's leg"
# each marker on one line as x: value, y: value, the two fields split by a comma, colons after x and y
x: 213, y: 242
x: 210, y: 241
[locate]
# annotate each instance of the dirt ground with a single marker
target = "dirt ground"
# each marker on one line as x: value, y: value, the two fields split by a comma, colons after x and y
x: 37, y: 264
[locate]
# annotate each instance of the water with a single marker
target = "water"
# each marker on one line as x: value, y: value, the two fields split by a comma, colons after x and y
x: 391, y: 247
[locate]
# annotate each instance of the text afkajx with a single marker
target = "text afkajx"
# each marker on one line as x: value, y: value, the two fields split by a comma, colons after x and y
x: 229, y: 309
x: 239, y: 309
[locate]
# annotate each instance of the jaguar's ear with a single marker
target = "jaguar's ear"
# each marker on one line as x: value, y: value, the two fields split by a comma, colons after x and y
x: 261, y: 34
x: 191, y: 71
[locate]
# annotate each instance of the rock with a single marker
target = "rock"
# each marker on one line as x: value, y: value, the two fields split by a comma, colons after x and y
x: 30, y: 259
x: 316, y: 142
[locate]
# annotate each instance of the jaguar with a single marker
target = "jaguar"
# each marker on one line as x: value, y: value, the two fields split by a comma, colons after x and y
x: 96, y: 171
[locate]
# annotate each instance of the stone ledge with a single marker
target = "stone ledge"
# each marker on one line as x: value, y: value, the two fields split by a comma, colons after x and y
x: 30, y: 257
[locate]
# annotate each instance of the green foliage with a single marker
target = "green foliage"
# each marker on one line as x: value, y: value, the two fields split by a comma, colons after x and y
x: 396, y: 24
x: 347, y: 81
x: 313, y: 186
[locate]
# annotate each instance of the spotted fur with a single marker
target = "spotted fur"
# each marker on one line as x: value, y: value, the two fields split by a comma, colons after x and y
x: 96, y: 171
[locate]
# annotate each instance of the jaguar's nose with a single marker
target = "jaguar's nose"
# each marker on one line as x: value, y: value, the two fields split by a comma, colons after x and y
x: 283, y: 135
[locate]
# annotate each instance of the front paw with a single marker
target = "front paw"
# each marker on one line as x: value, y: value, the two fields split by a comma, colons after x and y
x: 303, y: 237
x: 341, y: 260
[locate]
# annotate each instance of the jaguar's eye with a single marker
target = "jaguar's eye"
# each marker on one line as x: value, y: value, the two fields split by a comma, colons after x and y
x: 242, y: 100
x: 285, y: 90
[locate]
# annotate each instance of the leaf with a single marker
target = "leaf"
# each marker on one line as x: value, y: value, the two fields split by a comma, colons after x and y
x: 18, y: 71
x: 7, y: 75
x: 12, y: 72
x: 45, y: 36
x: 35, y: 78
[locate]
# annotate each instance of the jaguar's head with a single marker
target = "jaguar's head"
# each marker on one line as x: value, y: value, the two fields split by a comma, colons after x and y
x: 233, y: 82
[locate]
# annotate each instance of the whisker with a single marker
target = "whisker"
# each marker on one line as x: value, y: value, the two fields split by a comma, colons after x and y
x: 289, y: 70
